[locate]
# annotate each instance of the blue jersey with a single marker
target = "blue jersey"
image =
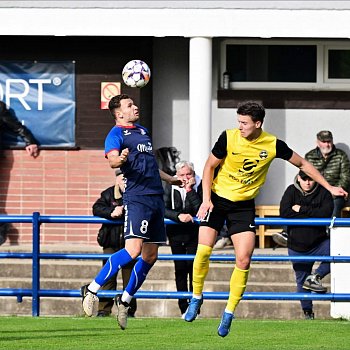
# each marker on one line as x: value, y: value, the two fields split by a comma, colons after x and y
x: 140, y: 170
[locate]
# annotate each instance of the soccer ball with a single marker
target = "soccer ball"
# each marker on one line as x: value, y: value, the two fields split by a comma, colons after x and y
x: 136, y: 73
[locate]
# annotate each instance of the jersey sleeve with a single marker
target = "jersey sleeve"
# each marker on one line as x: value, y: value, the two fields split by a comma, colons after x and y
x: 113, y: 140
x: 283, y: 151
x: 220, y: 148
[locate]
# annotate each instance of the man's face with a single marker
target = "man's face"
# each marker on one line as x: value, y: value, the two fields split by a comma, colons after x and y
x: 184, y: 174
x: 325, y: 146
x: 306, y: 185
x: 128, y: 112
x: 247, y: 127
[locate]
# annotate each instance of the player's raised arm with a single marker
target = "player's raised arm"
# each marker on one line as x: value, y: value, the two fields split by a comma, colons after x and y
x: 170, y: 179
x: 115, y: 159
x: 310, y: 170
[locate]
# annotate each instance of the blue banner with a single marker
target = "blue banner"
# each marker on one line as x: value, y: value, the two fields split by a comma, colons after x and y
x: 41, y: 95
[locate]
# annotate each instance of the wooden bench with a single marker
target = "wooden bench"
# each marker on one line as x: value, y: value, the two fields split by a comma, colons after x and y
x: 263, y: 211
x: 345, y: 212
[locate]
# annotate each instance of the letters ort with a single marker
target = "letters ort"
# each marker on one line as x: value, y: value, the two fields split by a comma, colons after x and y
x: 21, y: 90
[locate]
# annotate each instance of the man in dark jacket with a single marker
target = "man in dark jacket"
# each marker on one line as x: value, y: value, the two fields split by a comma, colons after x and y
x: 333, y: 163
x: 110, y: 237
x: 181, y: 205
x: 9, y: 122
x: 307, y: 199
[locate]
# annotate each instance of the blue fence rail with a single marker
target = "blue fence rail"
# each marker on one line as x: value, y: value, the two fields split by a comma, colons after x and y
x: 36, y: 220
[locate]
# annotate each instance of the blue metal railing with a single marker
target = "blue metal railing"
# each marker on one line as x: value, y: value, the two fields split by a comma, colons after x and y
x: 36, y: 220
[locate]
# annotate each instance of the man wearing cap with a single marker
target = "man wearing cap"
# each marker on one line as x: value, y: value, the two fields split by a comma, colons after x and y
x: 333, y: 163
x: 307, y: 199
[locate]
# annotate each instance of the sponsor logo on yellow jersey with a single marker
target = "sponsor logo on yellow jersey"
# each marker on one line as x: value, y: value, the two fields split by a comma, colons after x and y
x: 245, y: 167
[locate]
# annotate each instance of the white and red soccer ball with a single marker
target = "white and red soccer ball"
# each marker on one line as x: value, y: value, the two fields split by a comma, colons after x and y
x: 136, y: 73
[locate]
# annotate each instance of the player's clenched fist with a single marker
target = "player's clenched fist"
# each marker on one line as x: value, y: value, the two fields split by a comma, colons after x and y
x: 124, y: 155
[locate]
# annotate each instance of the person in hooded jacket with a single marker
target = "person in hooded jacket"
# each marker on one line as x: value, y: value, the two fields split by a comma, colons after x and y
x: 307, y: 199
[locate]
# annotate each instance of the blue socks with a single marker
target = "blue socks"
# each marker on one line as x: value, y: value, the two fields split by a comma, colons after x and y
x: 113, y: 265
x: 138, y: 276
x: 118, y: 260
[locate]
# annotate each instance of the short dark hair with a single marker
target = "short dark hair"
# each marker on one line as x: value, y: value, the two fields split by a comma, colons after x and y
x: 253, y: 109
x: 114, y: 102
x: 304, y: 176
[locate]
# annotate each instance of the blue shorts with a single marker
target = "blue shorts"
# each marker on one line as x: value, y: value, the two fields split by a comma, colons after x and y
x: 144, y: 218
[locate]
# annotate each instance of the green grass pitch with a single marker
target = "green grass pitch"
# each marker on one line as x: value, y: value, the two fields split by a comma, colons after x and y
x: 165, y: 333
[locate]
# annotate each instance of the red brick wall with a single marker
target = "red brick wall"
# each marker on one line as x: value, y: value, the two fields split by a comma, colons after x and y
x: 58, y: 182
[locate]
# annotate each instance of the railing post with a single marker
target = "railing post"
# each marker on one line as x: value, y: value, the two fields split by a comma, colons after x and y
x: 36, y: 265
x: 340, y: 246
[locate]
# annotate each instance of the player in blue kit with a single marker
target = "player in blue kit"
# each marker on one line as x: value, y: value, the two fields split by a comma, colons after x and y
x: 128, y: 147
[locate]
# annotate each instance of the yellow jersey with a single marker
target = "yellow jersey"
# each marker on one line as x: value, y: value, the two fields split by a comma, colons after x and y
x: 245, y: 164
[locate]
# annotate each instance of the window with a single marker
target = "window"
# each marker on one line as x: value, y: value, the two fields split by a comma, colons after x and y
x: 337, y: 64
x: 272, y: 63
x: 286, y: 65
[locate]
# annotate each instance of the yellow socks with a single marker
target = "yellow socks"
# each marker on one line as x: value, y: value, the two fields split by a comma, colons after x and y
x: 200, y: 268
x: 238, y: 279
x: 238, y: 284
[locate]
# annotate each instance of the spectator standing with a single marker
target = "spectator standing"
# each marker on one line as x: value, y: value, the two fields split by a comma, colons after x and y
x: 128, y: 147
x: 307, y: 199
x: 110, y: 237
x: 243, y: 156
x: 181, y: 205
x: 8, y: 122
x: 333, y: 163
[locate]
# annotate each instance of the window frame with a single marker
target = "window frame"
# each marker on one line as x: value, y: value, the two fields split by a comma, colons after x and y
x: 326, y: 65
x: 323, y: 83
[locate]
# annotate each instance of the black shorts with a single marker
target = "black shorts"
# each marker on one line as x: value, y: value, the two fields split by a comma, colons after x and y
x: 239, y: 216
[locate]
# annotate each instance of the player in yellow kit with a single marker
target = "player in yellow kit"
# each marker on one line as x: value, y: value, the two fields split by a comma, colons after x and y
x: 240, y: 158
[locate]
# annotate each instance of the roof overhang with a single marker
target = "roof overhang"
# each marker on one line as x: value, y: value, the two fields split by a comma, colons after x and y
x: 268, y: 22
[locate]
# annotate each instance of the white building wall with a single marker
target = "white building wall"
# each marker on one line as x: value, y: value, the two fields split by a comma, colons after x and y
x: 187, y: 22
x: 170, y: 78
x: 254, y: 19
x: 297, y: 127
